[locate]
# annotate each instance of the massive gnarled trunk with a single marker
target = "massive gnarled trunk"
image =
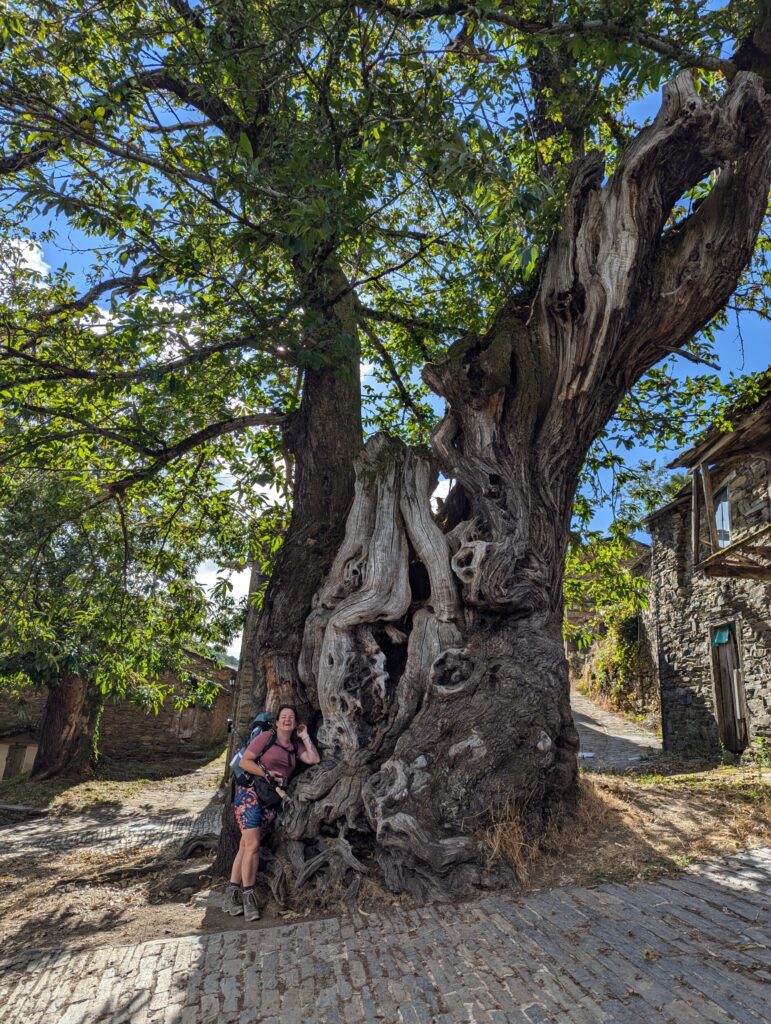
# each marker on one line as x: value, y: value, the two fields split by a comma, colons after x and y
x: 433, y: 654
x: 440, y: 678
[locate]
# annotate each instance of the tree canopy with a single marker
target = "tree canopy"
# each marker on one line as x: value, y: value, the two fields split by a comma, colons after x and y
x: 217, y: 163
x: 275, y: 197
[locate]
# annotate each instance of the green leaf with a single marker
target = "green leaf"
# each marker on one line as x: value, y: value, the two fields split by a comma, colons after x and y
x: 245, y: 146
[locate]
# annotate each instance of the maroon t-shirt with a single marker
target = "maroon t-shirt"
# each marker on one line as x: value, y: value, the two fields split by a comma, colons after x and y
x: 279, y: 760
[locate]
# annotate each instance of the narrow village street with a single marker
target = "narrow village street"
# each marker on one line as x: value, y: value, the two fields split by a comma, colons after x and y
x: 689, y: 948
x: 609, y: 742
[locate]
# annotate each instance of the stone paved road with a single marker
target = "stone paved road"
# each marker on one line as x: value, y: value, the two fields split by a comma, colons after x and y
x: 609, y: 742
x: 106, y: 833
x: 692, y: 950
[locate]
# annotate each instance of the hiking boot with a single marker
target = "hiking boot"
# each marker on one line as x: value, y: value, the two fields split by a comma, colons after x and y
x: 233, y: 903
x: 251, y: 910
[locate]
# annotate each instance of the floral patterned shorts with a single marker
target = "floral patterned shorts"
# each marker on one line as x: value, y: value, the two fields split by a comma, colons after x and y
x: 249, y: 811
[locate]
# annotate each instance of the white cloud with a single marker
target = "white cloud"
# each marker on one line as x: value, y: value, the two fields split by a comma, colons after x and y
x: 31, y: 256
x: 101, y: 323
x: 20, y: 254
x: 365, y: 369
x: 208, y: 574
x: 226, y: 480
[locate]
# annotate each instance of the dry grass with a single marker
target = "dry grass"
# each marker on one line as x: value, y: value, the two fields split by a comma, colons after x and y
x: 508, y: 842
x: 372, y: 897
x: 626, y: 829
x: 114, y: 784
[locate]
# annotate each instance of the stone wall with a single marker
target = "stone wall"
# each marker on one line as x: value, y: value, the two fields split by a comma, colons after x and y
x: 686, y: 606
x: 22, y: 715
x: 127, y: 730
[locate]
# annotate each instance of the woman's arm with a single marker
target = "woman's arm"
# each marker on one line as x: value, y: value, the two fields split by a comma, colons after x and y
x: 309, y: 755
x: 248, y: 764
x: 255, y: 750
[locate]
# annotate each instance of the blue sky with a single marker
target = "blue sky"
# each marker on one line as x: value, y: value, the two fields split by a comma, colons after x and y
x: 740, y: 348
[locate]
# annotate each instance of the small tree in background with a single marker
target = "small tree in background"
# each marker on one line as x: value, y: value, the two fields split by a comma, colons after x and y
x: 94, y: 608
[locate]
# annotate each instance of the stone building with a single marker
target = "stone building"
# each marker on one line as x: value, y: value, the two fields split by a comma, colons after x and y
x: 125, y: 729
x: 709, y: 614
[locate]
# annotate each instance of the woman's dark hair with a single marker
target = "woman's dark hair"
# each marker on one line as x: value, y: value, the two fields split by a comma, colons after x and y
x: 290, y: 707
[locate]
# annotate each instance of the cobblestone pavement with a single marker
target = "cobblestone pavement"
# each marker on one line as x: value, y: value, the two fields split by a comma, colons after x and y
x: 105, y: 833
x: 609, y: 742
x: 690, y: 950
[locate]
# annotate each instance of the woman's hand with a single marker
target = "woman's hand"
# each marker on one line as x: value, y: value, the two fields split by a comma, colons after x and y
x: 309, y: 754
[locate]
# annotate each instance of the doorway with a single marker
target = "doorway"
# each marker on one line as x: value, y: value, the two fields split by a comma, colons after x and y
x: 729, y: 688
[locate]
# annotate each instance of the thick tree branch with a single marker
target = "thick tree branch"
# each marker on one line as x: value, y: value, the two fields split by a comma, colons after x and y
x: 12, y: 163
x: 698, y: 264
x: 177, y: 451
x: 194, y: 18
x: 535, y: 27
x: 596, y: 301
x: 618, y: 292
x: 125, y: 283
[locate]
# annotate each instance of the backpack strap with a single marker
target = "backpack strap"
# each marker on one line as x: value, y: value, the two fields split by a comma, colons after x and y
x: 274, y: 739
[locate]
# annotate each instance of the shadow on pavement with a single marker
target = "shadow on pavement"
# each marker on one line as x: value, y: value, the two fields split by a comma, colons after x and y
x: 608, y: 749
x: 630, y: 950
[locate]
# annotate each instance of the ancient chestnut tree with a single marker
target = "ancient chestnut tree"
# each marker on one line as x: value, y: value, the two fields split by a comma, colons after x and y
x: 282, y: 191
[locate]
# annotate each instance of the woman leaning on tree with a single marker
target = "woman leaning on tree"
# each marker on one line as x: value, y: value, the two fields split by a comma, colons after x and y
x: 274, y: 760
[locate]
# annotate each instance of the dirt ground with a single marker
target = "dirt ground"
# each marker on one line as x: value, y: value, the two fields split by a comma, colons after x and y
x: 654, y: 822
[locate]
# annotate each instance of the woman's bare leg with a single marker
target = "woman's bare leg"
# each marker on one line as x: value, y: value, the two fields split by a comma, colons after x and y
x: 248, y: 857
x: 235, y: 871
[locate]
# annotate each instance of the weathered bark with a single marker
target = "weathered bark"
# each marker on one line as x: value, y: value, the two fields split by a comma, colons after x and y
x: 67, y: 730
x: 437, y: 663
x: 434, y: 657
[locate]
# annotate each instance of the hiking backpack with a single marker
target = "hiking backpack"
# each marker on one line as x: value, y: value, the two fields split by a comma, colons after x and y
x: 263, y: 721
